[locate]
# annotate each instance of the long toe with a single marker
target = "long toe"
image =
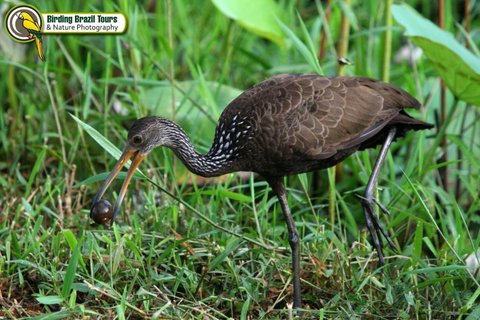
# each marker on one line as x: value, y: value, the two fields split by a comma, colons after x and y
x: 381, y: 206
x: 381, y: 231
x: 374, y: 233
x: 372, y: 217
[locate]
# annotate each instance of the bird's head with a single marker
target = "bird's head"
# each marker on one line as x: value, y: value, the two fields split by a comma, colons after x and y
x: 25, y: 16
x: 147, y: 133
x: 144, y: 135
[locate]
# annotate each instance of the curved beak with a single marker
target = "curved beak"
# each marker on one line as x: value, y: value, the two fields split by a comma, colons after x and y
x: 137, y: 158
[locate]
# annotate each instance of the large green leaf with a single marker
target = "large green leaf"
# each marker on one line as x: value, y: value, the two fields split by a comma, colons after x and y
x: 458, y: 67
x: 257, y: 16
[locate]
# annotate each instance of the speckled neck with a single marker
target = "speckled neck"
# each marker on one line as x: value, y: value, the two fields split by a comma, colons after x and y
x: 209, y: 165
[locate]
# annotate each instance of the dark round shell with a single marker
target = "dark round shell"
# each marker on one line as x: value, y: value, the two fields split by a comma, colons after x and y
x: 102, y: 212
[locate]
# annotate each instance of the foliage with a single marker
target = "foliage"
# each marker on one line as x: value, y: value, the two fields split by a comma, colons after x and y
x: 258, y: 17
x: 458, y: 67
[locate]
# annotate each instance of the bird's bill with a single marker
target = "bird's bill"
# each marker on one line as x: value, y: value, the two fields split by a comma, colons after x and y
x: 137, y: 157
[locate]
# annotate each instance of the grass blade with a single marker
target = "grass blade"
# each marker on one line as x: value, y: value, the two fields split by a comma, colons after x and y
x: 309, y: 55
x: 71, y: 272
x: 99, y: 138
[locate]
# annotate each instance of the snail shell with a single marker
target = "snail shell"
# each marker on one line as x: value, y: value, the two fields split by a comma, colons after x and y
x: 102, y: 212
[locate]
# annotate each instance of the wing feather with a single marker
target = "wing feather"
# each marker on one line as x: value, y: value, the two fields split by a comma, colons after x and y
x: 310, y: 117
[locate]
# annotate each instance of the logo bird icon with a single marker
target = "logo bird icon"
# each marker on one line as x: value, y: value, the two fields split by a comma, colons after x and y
x: 33, y: 28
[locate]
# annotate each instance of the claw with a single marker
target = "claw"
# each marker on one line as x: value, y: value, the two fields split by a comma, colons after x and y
x: 375, y: 227
x: 372, y: 228
x: 381, y: 206
x: 379, y: 227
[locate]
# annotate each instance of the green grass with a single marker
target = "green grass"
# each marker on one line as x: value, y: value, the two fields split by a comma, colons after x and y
x: 219, y: 250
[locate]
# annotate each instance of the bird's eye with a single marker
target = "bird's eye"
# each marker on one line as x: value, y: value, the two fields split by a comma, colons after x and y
x: 137, y: 139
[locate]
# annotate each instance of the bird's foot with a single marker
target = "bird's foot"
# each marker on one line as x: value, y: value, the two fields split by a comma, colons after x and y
x: 375, y: 227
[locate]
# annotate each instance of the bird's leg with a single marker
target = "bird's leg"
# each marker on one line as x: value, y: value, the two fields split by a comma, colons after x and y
x: 293, y: 238
x: 371, y: 218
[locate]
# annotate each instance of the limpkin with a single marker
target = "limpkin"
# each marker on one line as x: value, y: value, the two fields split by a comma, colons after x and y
x: 285, y: 125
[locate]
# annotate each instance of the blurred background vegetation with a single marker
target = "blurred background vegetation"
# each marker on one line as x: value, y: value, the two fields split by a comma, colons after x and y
x: 168, y: 257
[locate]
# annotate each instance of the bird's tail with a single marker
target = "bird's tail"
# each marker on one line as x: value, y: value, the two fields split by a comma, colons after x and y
x: 406, y: 121
x: 38, y: 44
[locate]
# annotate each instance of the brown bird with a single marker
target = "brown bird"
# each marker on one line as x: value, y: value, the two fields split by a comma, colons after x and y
x: 285, y: 125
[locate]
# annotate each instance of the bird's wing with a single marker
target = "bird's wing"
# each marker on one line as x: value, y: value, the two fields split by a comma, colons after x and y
x: 31, y: 25
x: 315, y: 117
x: 309, y: 116
x: 263, y: 87
x: 336, y: 114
